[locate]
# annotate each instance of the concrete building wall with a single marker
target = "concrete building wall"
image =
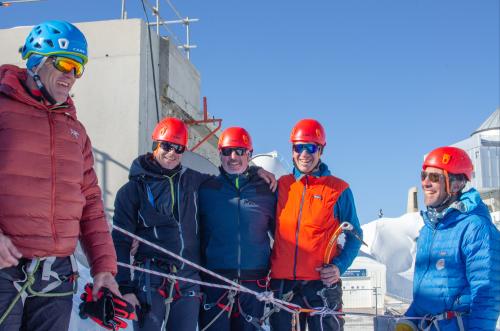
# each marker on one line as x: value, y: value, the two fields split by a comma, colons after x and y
x: 115, y: 98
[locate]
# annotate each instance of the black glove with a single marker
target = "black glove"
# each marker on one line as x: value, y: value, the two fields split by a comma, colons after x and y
x: 108, y: 310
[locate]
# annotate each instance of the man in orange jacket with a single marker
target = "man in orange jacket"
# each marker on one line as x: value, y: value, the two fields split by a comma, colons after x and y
x: 306, y: 264
x: 49, y: 196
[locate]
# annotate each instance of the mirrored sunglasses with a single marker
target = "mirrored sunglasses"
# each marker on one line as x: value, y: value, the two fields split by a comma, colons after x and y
x: 227, y: 151
x: 309, y: 148
x: 433, y: 177
x: 65, y: 65
x: 168, y: 146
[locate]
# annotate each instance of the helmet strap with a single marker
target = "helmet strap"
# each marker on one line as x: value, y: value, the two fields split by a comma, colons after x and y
x: 155, y: 147
x: 451, y: 196
x: 34, y: 74
x: 447, y: 181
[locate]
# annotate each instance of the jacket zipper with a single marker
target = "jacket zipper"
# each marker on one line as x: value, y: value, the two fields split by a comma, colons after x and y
x: 297, y: 230
x: 428, y: 260
x: 179, y: 213
x: 239, y: 235
x: 53, y: 177
x: 195, y: 196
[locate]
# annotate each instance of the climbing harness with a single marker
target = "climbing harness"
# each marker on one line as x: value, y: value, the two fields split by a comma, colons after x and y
x: 429, y: 321
x: 24, y: 286
x: 326, y: 307
x: 278, y: 304
x: 233, y: 285
x: 233, y: 298
x: 230, y: 294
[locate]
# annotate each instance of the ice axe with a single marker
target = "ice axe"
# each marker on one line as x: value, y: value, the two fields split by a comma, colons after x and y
x: 343, y: 227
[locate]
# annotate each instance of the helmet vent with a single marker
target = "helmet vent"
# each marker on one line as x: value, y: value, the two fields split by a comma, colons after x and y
x: 49, y: 42
x: 55, y: 31
x: 37, y: 45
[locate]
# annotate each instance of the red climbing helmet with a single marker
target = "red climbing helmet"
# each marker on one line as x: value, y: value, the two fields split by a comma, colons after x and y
x: 451, y: 159
x: 171, y: 129
x: 235, y: 137
x: 308, y: 130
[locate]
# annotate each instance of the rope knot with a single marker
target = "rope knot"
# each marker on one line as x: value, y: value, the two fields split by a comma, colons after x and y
x: 266, y: 296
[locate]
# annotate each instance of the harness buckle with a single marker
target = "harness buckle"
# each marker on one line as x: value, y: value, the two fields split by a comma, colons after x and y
x: 448, y: 315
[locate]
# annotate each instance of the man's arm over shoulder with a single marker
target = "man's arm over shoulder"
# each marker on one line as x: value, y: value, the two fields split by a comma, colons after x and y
x: 481, y: 248
x: 95, y: 235
x: 345, y: 211
x: 197, y: 178
x: 269, y: 200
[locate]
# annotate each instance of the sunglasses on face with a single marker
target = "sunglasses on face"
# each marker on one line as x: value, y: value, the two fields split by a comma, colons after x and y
x: 66, y: 65
x: 167, y: 147
x: 433, y: 177
x: 227, y: 151
x: 309, y: 148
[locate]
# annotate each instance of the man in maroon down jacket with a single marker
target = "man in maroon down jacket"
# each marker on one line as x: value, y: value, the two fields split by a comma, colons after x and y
x: 49, y: 196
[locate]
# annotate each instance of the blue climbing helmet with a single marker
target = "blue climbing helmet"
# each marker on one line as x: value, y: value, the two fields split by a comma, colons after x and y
x: 54, y: 38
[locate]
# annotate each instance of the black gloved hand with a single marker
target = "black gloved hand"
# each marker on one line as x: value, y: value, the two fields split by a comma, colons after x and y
x: 108, y: 310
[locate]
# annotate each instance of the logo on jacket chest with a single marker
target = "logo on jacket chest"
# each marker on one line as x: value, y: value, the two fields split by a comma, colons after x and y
x: 441, y: 264
x: 75, y: 134
x: 249, y: 203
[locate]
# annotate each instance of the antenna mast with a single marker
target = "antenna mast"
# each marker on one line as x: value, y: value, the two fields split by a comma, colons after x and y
x: 160, y: 22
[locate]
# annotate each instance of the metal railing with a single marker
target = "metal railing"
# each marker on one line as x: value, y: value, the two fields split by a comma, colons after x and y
x: 163, y: 23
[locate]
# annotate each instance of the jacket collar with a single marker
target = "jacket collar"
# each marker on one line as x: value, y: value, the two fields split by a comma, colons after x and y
x: 320, y: 171
x: 238, y: 180
x: 12, y: 84
x: 146, y: 166
x: 468, y: 202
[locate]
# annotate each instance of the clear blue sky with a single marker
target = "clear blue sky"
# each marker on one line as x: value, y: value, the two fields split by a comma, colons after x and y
x: 389, y: 79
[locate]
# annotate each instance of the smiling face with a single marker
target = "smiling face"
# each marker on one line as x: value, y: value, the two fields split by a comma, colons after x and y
x: 434, y: 192
x: 305, y: 161
x: 234, y: 163
x: 57, y: 83
x: 168, y: 159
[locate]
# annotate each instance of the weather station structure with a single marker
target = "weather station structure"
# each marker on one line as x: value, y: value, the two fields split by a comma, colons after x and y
x: 483, y: 147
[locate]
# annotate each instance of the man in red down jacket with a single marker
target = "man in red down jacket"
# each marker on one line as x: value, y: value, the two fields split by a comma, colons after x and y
x: 49, y: 196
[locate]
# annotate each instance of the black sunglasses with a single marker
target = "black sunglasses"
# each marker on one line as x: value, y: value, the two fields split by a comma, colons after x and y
x: 433, y: 177
x: 309, y: 148
x: 168, y: 146
x: 227, y: 151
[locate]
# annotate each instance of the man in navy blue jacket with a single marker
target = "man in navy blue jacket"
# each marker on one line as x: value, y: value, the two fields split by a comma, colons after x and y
x: 456, y: 284
x: 237, y: 211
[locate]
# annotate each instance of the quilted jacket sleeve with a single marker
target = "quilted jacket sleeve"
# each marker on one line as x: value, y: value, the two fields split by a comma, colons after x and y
x: 481, y: 249
x: 95, y: 235
x: 126, y: 211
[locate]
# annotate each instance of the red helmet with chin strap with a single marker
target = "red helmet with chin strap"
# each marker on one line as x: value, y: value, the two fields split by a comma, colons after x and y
x: 235, y: 137
x: 171, y: 129
x: 451, y: 159
x: 308, y: 130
